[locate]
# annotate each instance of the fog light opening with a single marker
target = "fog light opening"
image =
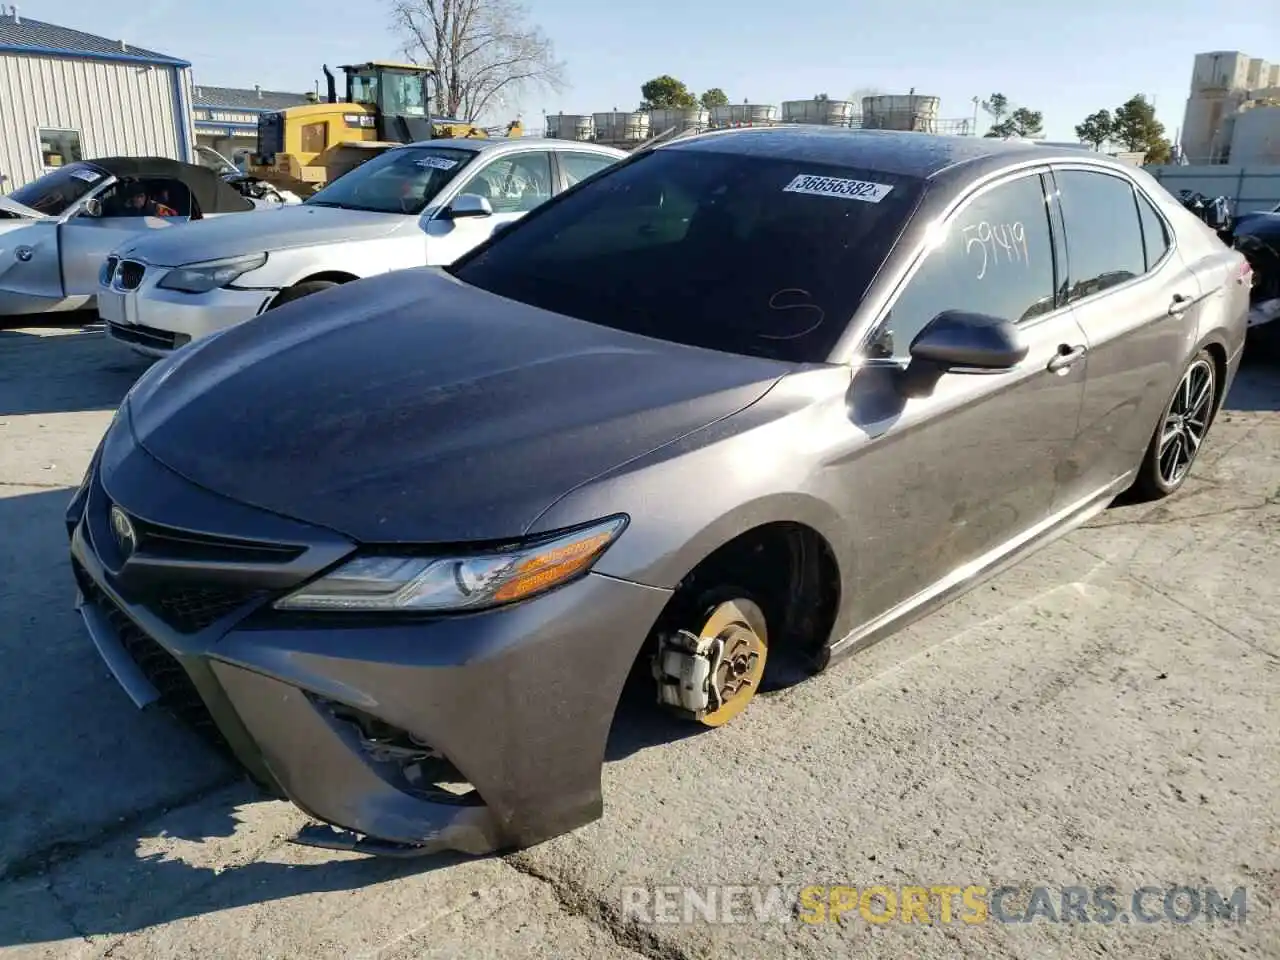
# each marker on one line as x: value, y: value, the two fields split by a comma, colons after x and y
x: 404, y: 760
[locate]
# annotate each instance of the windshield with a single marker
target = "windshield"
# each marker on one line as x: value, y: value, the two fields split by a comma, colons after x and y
x: 55, y: 192
x: 765, y: 257
x: 402, y: 180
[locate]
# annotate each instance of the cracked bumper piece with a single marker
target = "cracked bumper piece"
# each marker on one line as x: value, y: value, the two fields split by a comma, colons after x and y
x: 361, y: 723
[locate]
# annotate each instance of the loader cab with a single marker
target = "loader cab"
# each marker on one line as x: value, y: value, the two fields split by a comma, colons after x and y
x: 397, y: 97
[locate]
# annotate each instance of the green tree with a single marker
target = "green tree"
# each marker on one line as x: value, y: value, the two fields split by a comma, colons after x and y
x: 666, y: 91
x: 1021, y: 123
x: 1096, y: 128
x: 1138, y: 129
x: 997, y: 105
x: 715, y: 97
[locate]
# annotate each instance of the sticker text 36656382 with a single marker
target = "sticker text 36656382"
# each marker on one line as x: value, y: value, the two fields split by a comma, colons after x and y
x: 840, y: 187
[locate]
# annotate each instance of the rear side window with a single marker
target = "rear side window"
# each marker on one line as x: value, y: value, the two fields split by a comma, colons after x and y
x: 1104, y: 235
x: 579, y: 166
x: 746, y: 254
x: 997, y: 259
x: 1155, y: 235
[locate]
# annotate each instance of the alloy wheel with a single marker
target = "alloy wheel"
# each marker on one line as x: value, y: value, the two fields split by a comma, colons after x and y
x: 1186, y: 423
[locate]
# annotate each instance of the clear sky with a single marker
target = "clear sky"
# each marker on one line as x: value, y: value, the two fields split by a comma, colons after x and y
x: 1065, y: 60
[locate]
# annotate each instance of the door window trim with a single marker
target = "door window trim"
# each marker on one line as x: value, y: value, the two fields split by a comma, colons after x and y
x: 1138, y: 191
x: 944, y: 222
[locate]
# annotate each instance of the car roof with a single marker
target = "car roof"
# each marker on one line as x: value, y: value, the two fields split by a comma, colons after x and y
x: 490, y: 144
x: 902, y: 152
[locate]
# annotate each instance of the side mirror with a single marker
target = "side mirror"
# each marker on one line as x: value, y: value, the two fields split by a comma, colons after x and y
x: 468, y: 205
x: 960, y: 342
x: 93, y: 207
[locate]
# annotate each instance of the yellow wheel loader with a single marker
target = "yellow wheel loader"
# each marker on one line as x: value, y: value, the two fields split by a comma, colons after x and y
x: 384, y: 105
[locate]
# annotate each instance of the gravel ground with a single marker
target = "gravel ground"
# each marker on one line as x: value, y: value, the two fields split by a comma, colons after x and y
x: 1103, y: 714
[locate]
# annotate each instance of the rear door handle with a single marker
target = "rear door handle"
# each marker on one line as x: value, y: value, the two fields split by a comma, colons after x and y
x: 1179, y: 304
x: 1067, y: 355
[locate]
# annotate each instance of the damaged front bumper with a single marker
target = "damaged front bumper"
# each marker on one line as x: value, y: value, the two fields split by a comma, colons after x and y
x: 471, y: 733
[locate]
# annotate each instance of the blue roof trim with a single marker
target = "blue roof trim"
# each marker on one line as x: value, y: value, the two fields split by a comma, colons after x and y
x: 94, y: 55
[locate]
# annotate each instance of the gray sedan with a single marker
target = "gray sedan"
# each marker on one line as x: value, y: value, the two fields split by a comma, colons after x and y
x: 742, y: 402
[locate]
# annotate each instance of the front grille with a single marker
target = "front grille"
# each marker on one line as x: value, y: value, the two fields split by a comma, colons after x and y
x: 191, y: 609
x: 173, y: 543
x: 109, y: 270
x: 146, y: 336
x: 130, y: 274
x: 178, y: 693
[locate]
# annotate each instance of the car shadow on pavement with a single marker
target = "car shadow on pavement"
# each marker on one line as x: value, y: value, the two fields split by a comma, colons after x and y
x: 77, y: 370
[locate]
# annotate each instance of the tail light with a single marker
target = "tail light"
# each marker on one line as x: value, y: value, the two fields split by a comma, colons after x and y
x: 1245, y: 273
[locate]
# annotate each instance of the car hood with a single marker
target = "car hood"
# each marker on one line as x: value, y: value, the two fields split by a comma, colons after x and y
x: 413, y: 408
x: 235, y: 235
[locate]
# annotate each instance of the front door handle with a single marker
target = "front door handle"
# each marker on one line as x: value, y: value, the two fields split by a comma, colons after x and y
x: 1179, y: 304
x: 1067, y: 355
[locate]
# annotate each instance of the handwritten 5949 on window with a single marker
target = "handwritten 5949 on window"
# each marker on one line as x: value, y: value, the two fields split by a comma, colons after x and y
x: 996, y: 258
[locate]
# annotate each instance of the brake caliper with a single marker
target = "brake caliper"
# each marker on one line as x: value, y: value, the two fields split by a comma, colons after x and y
x: 686, y: 667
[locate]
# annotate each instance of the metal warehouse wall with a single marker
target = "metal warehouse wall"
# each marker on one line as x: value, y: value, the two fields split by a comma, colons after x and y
x: 1248, y: 188
x: 120, y: 109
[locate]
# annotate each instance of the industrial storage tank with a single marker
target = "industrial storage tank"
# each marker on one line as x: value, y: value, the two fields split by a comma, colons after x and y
x: 682, y: 119
x: 621, y: 126
x: 1256, y: 137
x: 744, y: 115
x: 570, y: 126
x: 831, y: 113
x: 901, y: 111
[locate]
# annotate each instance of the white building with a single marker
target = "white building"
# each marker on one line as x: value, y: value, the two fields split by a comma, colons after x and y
x: 67, y: 95
x: 1219, y: 125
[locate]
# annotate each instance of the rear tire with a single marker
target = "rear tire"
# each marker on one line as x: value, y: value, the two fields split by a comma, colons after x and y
x: 300, y: 290
x: 1181, y: 432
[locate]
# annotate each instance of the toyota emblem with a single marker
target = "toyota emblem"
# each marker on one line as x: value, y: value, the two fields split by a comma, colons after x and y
x: 122, y: 530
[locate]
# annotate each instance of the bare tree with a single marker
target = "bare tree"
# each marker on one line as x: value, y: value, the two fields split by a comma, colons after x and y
x: 484, y: 52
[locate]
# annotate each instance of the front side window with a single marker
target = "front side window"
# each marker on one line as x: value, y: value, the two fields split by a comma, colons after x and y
x: 745, y: 254
x: 147, y: 197
x: 58, y: 148
x: 1104, y: 235
x: 402, y: 180
x: 996, y: 258
x: 55, y: 192
x: 514, y: 184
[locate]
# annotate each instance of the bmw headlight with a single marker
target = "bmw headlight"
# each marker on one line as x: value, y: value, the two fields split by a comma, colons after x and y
x: 203, y: 277
x: 460, y: 582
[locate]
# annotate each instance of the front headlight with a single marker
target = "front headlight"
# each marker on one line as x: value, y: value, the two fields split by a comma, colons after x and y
x: 203, y: 277
x: 460, y: 582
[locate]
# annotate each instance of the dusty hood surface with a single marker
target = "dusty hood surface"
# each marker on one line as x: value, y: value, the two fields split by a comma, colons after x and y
x: 234, y: 235
x: 413, y: 408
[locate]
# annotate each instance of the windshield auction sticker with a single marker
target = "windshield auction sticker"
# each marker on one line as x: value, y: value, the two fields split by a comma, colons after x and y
x: 436, y: 163
x: 817, y: 186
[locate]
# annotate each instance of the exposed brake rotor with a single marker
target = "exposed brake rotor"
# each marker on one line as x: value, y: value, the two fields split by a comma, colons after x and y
x: 711, y: 676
